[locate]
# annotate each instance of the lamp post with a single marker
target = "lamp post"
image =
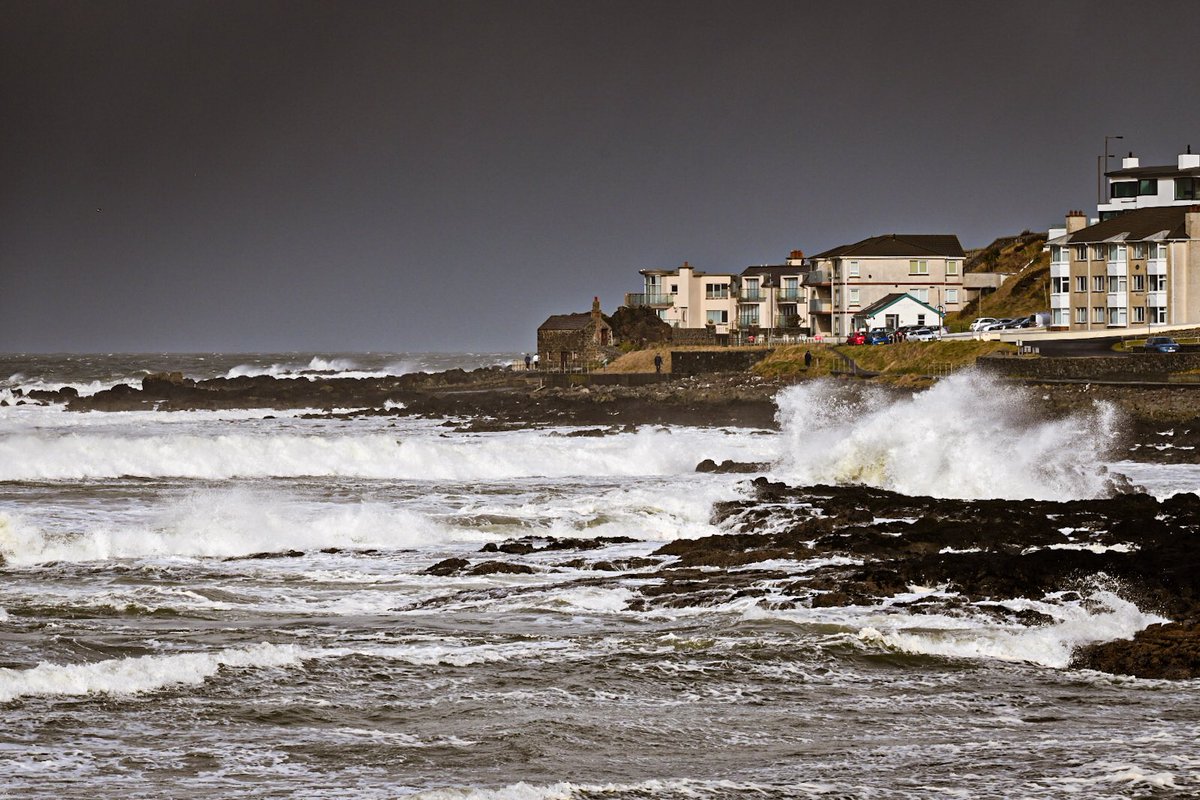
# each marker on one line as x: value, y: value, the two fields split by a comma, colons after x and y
x: 1101, y: 165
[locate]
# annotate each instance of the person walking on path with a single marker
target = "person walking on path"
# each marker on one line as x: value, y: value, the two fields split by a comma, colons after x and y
x: 658, y: 362
x: 528, y: 361
x: 807, y: 359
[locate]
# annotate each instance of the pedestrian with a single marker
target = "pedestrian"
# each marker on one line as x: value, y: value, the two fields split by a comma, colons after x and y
x: 807, y: 359
x: 528, y: 361
x: 658, y: 362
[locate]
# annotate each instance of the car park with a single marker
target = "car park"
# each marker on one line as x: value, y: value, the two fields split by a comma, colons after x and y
x: 1161, y: 344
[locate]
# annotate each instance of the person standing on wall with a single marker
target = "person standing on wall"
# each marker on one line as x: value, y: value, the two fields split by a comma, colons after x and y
x: 658, y: 362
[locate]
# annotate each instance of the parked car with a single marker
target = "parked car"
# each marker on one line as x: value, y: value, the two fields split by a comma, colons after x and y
x: 1161, y: 344
x: 879, y: 336
x: 924, y: 335
x: 998, y: 325
x: 982, y: 323
x: 857, y: 337
x: 1020, y: 322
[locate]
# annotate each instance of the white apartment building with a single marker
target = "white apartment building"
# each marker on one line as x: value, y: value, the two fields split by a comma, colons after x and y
x: 1133, y: 186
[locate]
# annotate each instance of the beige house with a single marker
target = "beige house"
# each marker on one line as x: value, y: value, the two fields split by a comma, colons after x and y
x: 1138, y: 268
x: 847, y: 279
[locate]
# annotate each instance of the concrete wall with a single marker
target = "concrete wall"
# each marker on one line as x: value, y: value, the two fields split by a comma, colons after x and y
x: 699, y: 362
x: 1152, y: 367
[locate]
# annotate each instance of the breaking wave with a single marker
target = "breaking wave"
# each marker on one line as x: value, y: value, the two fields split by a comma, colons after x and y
x: 968, y: 436
x: 319, y: 367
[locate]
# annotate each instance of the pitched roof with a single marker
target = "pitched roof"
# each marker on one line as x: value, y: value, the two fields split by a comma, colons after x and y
x: 566, y: 322
x: 891, y: 299
x: 900, y: 244
x: 1142, y: 223
x: 771, y: 275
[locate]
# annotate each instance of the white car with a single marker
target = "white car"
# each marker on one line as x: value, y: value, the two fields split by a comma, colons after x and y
x: 982, y: 323
x: 924, y: 335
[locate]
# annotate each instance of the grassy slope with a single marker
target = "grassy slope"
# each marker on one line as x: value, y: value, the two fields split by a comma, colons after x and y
x: 1027, y: 291
x: 906, y: 358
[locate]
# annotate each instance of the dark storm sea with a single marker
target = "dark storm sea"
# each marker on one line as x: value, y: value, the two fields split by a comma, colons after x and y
x: 236, y: 605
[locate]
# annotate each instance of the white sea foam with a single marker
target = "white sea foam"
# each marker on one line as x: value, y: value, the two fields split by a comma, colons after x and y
x: 53, y: 455
x: 1048, y: 645
x: 652, y: 788
x: 968, y: 436
x: 320, y: 367
x: 140, y: 674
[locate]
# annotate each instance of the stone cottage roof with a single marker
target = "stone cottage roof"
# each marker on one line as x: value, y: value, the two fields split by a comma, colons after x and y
x: 566, y: 322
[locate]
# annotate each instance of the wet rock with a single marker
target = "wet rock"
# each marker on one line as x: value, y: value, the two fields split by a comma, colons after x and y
x: 1170, y: 651
x: 728, y: 466
x: 449, y: 566
x: 501, y: 568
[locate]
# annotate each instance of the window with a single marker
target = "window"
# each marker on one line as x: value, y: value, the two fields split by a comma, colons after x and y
x: 1158, y: 251
x: 853, y: 297
x: 1147, y: 186
x: 1059, y: 317
x: 716, y: 291
x: 1117, y: 316
x: 1081, y: 315
x: 1097, y: 313
x: 1117, y: 283
x: 1081, y: 252
x: 920, y: 319
x: 750, y: 290
x: 1081, y: 283
x: 1139, y: 283
x: 1139, y: 250
x: 837, y: 326
x: 951, y: 296
x: 1117, y: 252
x: 1139, y: 313
x: 748, y: 317
x: 1056, y: 255
x: 951, y: 267
x: 674, y: 288
x: 1158, y: 315
x: 854, y: 272
x: 1098, y: 253
x: 1121, y: 189
x: 1060, y: 285
x: 918, y: 267
x: 1187, y: 188
x: 920, y: 294
x: 718, y: 317
x: 1098, y: 283
x: 1158, y: 283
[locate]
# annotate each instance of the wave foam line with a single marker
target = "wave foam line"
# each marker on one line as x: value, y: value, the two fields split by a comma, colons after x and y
x: 1049, y: 645
x: 968, y: 436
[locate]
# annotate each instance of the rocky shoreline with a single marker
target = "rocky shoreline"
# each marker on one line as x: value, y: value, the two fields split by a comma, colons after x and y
x: 837, y: 546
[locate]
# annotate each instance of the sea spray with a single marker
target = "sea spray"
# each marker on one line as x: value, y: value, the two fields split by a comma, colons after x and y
x: 968, y: 436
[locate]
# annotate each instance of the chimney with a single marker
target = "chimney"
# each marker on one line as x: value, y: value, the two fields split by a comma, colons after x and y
x: 1191, y: 223
x: 1189, y: 160
x: 1130, y: 161
x: 1076, y: 220
x: 595, y: 309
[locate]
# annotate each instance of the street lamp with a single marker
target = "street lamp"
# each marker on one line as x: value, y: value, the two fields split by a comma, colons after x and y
x: 1101, y: 165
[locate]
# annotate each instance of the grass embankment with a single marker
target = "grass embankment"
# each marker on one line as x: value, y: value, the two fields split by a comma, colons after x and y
x: 643, y: 360
x: 1026, y: 291
x: 904, y: 359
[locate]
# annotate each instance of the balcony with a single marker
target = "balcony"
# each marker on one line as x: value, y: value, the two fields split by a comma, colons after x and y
x: 1157, y: 266
x: 756, y: 296
x: 789, y: 295
x: 1118, y: 300
x: 820, y: 307
x: 818, y: 277
x: 747, y: 321
x: 1118, y: 267
x: 649, y: 300
x: 1058, y: 301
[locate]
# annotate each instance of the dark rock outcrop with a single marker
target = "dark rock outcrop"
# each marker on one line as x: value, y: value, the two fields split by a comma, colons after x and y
x: 1170, y: 651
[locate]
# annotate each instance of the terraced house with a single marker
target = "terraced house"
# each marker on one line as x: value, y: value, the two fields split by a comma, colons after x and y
x: 1140, y: 267
x: 848, y: 279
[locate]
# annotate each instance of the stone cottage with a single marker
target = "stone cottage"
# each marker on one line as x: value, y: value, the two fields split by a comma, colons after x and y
x: 574, y: 342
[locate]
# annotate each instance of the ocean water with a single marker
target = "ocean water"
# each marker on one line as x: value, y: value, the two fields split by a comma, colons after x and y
x: 236, y: 605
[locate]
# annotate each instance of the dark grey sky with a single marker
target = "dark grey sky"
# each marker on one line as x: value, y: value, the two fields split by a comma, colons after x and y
x: 443, y: 175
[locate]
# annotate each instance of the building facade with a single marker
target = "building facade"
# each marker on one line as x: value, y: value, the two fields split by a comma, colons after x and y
x: 760, y: 297
x: 574, y: 342
x: 1133, y: 186
x: 1141, y: 267
x: 846, y: 280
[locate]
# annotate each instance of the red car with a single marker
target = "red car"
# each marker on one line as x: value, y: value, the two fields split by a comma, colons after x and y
x: 858, y: 337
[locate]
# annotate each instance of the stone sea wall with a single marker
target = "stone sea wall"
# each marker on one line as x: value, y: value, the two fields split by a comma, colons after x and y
x: 1150, y: 367
x: 699, y: 362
